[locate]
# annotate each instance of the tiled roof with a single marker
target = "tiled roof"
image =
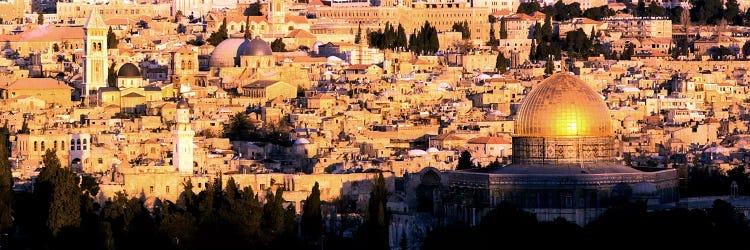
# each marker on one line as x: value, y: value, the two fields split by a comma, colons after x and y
x: 37, y: 83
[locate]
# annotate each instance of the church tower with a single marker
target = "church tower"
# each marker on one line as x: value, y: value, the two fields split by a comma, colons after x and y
x: 95, y: 54
x: 277, y: 13
x: 182, y: 138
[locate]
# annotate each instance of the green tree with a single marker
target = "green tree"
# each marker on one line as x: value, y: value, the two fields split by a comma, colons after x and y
x: 358, y: 37
x: 549, y: 67
x: 374, y: 230
x: 732, y: 12
x: 188, y: 199
x: 426, y: 41
x: 597, y: 13
x: 253, y: 10
x: 464, y: 161
x: 112, y: 75
x: 6, y: 183
x: 492, y: 41
x: 278, y: 45
x: 240, y: 128
x: 462, y: 27
x: 414, y: 45
x: 529, y: 7
x: 401, y: 37
x: 312, y: 217
x: 57, y: 189
x: 273, y: 214
x: 24, y: 127
x: 628, y: 53
x: 40, y: 18
x: 578, y: 43
x: 503, y: 29
x: 501, y: 64
x: 220, y: 35
x: 248, y: 34
x: 89, y: 185
x: 532, y: 51
x: 706, y: 11
x: 641, y: 9
x: 655, y: 10
x: 111, y: 39
x: 675, y: 14
x: 746, y: 49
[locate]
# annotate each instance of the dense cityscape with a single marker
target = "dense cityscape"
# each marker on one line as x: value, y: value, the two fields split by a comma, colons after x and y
x: 378, y: 124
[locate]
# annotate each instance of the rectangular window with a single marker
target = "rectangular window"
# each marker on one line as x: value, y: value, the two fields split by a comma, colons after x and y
x: 167, y: 189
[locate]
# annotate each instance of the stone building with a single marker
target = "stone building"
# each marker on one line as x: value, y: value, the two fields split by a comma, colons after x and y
x: 563, y: 162
x: 51, y: 91
x: 412, y: 16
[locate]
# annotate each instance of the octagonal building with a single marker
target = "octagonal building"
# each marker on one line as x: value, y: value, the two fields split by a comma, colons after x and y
x: 563, y: 162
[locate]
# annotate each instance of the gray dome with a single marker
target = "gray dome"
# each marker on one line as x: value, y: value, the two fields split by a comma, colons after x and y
x: 224, y: 55
x: 129, y: 70
x: 255, y: 47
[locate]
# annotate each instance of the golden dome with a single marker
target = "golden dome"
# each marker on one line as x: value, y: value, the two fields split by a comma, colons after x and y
x: 563, y: 106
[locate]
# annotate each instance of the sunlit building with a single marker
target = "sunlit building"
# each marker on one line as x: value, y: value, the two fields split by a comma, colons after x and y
x: 563, y: 164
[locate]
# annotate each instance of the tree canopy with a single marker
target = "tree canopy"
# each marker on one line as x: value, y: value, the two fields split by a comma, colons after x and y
x: 278, y: 45
x: 220, y: 35
x: 464, y: 161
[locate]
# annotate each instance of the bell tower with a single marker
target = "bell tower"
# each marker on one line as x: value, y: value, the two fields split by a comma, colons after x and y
x: 182, y: 137
x: 95, y: 55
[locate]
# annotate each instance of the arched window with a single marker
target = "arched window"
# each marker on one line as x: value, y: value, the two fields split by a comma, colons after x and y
x: 35, y: 146
x: 43, y: 147
x: 55, y: 143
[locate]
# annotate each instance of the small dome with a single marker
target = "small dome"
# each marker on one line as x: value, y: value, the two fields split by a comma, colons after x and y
x: 224, y: 55
x: 301, y: 141
x: 255, y: 47
x: 316, y: 45
x: 129, y: 70
x: 416, y: 153
x: 432, y: 150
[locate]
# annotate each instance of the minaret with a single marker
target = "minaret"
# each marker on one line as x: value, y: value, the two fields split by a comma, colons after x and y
x: 95, y: 54
x: 182, y: 137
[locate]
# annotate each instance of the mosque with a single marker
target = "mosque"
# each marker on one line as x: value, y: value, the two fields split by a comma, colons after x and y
x: 563, y: 164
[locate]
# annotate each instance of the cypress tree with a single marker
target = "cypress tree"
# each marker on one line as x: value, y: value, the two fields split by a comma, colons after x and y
x: 358, y: 37
x: 374, y: 231
x: 248, y: 34
x: 413, y: 43
x: 549, y: 67
x: 464, y: 161
x: 401, y: 37
x: 220, y: 35
x: 6, y: 183
x: 501, y: 63
x: 111, y: 39
x: 57, y: 189
x: 503, y: 29
x: 312, y: 218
